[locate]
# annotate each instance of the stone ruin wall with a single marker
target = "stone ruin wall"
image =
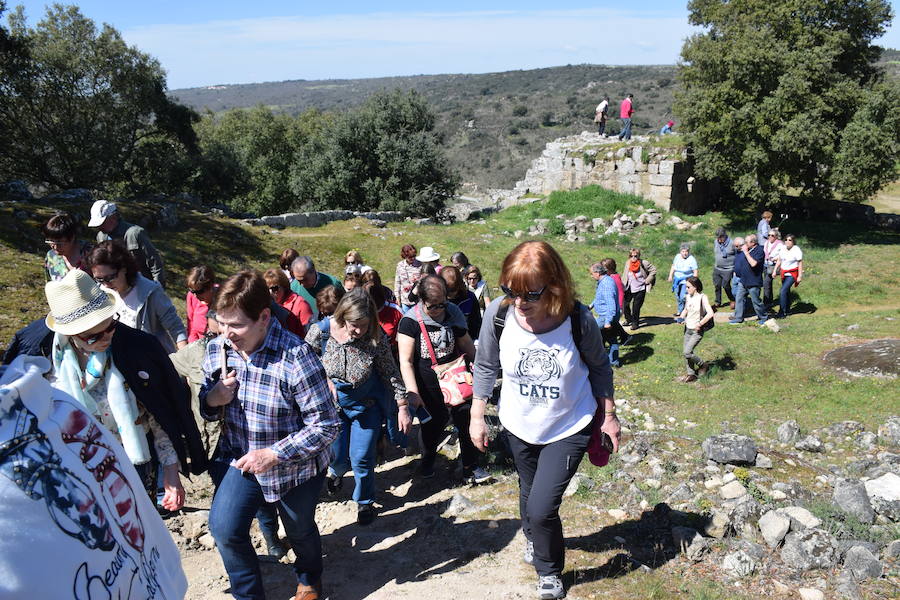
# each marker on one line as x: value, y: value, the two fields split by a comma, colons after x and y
x: 661, y: 175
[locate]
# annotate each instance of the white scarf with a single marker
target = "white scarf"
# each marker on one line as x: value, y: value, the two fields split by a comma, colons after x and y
x: 100, y: 369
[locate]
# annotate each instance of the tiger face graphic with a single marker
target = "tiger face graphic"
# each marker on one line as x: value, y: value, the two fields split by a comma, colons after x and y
x: 537, y: 366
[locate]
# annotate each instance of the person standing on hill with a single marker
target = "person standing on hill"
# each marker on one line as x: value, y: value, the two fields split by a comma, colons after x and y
x: 640, y: 275
x: 606, y: 307
x: 105, y: 216
x: 308, y: 282
x: 601, y: 114
x: 748, y: 265
x: 723, y: 269
x: 626, y: 109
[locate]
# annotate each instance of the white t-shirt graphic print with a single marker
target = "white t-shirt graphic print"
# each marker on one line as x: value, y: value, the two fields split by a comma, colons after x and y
x: 546, y: 394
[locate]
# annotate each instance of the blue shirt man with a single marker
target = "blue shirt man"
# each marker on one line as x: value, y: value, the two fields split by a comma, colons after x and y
x: 606, y: 306
x: 748, y: 267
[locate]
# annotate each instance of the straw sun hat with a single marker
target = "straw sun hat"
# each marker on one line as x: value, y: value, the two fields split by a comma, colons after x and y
x: 77, y: 303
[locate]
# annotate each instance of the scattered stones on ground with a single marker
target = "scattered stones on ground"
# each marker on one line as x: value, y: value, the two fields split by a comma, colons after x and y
x: 774, y: 526
x: 851, y: 497
x: 788, y: 432
x: 730, y: 448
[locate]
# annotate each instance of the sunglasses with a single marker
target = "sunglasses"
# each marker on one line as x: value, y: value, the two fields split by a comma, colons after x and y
x: 95, y: 336
x: 108, y: 278
x: 527, y: 296
x: 274, y: 288
x: 438, y: 306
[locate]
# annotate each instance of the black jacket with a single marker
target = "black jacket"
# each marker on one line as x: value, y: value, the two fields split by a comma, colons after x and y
x: 149, y: 373
x: 35, y: 339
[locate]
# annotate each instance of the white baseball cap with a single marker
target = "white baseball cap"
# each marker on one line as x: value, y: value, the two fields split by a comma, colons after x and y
x: 99, y: 211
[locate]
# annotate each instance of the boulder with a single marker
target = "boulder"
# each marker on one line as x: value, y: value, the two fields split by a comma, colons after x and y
x: 732, y: 489
x: 810, y: 443
x: 866, y: 440
x: 851, y: 497
x: 862, y: 564
x: 810, y: 594
x: 599, y: 223
x: 884, y: 494
x: 838, y: 431
x: 459, y: 505
x: 579, y: 482
x: 762, y: 462
x: 693, y: 545
x: 889, y: 432
x: 718, y: 525
x: 808, y: 549
x: 730, y: 448
x: 800, y: 517
x: 740, y: 564
x: 892, y: 550
x: 774, y: 526
x: 788, y: 432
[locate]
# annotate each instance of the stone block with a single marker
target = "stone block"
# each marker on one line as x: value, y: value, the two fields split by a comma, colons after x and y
x: 660, y: 179
x: 667, y: 167
x: 295, y: 219
x: 626, y: 167
x: 653, y: 168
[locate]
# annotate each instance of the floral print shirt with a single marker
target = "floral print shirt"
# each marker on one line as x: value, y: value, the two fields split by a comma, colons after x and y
x: 56, y: 266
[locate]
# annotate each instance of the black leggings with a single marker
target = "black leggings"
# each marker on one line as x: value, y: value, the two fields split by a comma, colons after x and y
x: 433, y: 430
x: 544, y: 473
x: 633, y: 303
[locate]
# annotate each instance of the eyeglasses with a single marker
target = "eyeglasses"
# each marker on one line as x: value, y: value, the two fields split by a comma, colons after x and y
x: 95, y: 336
x: 438, y: 306
x: 527, y: 296
x: 274, y: 288
x: 108, y: 278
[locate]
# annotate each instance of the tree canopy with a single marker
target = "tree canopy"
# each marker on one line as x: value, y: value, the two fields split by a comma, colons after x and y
x: 785, y: 95
x: 83, y: 109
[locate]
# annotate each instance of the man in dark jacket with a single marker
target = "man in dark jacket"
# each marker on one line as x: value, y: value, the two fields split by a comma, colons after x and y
x: 723, y: 249
x: 748, y: 265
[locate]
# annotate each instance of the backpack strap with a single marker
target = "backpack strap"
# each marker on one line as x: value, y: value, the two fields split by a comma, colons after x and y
x: 574, y: 319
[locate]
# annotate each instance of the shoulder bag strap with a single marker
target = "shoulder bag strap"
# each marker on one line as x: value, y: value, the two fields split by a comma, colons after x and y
x: 500, y: 321
x: 425, y: 335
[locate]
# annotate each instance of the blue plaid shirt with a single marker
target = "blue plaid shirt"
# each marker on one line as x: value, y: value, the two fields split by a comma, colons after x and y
x: 282, y: 403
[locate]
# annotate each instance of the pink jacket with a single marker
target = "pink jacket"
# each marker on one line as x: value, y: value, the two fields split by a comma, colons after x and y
x: 625, y: 109
x: 620, y: 288
x: 196, y: 317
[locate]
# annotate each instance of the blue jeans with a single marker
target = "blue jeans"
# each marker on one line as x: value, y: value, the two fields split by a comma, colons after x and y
x: 680, y: 295
x: 237, y: 499
x: 611, y: 337
x: 758, y: 307
x: 355, y: 448
x: 391, y: 424
x: 785, y: 297
x: 625, y: 134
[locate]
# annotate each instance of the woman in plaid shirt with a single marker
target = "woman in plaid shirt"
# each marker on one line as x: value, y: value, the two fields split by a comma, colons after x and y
x: 279, y: 421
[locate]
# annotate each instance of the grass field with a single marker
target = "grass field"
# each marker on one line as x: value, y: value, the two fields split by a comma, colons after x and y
x: 761, y: 378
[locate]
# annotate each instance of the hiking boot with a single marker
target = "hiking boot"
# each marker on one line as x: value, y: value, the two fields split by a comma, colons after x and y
x: 476, y: 475
x: 528, y: 554
x: 365, y: 514
x: 333, y: 484
x: 550, y: 587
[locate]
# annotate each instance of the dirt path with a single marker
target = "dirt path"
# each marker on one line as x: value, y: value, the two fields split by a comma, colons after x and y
x: 414, y: 549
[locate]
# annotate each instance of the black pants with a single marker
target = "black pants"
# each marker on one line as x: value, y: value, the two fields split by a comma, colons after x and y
x: 544, y: 473
x: 601, y: 127
x: 768, y: 296
x: 633, y: 303
x: 722, y: 279
x: 433, y: 430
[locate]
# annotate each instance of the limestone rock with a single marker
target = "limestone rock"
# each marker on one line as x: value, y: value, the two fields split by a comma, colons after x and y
x: 207, y: 541
x: 808, y: 549
x: 774, y: 526
x: 732, y: 489
x: 459, y: 505
x: 730, y: 448
x: 800, y: 517
x: 579, y: 481
x: 889, y: 432
x: 851, y: 497
x: 846, y: 587
x: 843, y: 429
x: 884, y: 494
x: 866, y: 440
x: 811, y: 594
x: 718, y: 525
x: 763, y: 462
x: 693, y: 545
x: 789, y: 432
x: 740, y: 564
x: 862, y: 564
x: 810, y: 443
x: 892, y: 550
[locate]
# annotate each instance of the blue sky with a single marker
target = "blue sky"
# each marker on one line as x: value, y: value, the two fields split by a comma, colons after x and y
x: 201, y: 42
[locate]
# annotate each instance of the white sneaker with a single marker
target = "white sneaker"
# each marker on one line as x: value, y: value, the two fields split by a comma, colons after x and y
x: 528, y: 555
x: 550, y: 587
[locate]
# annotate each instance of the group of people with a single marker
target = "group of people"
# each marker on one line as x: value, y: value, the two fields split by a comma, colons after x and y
x: 626, y: 110
x: 284, y: 381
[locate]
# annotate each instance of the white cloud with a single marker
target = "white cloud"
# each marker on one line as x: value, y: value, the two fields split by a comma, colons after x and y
x: 381, y: 44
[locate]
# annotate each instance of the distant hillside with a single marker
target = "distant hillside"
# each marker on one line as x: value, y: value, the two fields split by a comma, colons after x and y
x: 494, y: 124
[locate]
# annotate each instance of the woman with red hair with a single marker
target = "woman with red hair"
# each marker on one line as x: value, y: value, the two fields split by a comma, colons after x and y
x: 556, y: 381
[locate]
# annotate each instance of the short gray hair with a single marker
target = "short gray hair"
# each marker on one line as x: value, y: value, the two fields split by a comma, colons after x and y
x: 598, y: 268
x: 738, y: 241
x: 752, y: 236
x: 304, y: 261
x: 684, y: 246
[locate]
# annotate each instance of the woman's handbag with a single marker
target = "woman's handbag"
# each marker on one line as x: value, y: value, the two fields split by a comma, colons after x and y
x: 454, y: 377
x: 600, y: 444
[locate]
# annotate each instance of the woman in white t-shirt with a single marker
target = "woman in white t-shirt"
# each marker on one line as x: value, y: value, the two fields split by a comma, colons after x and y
x: 552, y: 391
x: 790, y: 263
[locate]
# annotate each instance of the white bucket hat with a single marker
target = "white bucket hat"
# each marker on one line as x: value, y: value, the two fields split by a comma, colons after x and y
x: 427, y: 254
x: 77, y: 303
x: 99, y: 211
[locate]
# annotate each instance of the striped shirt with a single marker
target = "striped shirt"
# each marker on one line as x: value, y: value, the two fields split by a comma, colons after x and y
x: 282, y: 403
